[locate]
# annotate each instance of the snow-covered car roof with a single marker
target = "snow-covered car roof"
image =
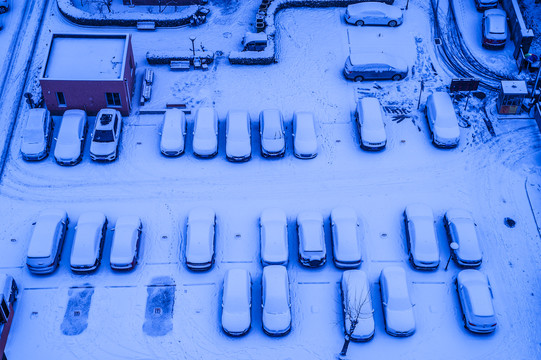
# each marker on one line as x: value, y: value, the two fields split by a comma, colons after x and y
x: 346, y: 242
x: 271, y: 121
x: 35, y: 119
x: 173, y: 129
x: 43, y: 237
x: 199, y: 245
x: 236, y: 296
x: 477, y: 289
x: 273, y: 235
x: 397, y: 287
x: 238, y: 124
x: 277, y: 293
x: 125, y: 239
x: 496, y: 21
x: 254, y: 37
x: 362, y: 7
x: 85, y: 246
x: 369, y: 58
x: 446, y: 116
x: 205, y: 121
x: 311, y: 230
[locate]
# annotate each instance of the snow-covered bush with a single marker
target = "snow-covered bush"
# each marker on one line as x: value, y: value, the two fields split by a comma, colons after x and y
x: 165, y: 57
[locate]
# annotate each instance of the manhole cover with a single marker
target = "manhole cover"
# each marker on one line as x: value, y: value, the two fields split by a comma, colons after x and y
x: 510, y: 223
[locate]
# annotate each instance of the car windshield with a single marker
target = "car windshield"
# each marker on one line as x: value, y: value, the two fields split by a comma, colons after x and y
x: 103, y: 136
x: 32, y: 136
x: 272, y: 134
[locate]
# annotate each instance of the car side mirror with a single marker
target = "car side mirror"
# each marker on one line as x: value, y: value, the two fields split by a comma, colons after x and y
x: 384, y: 303
x: 55, y: 139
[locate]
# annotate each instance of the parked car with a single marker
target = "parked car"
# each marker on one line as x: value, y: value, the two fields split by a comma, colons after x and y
x: 345, y: 241
x: 483, y: 5
x: 442, y: 120
x: 88, y: 243
x: 273, y: 231
x: 173, y: 133
x: 357, y: 305
x: 375, y: 66
x: 312, y: 250
x: 397, y: 306
x: 370, y: 123
x: 8, y: 296
x: 237, y: 302
x: 106, y: 135
x: 423, y: 250
x: 37, y: 135
x: 304, y: 135
x: 4, y: 6
x: 460, y: 229
x: 275, y: 301
x: 47, y: 240
x: 475, y: 295
x: 205, y: 133
x: 494, y: 29
x: 373, y: 13
x: 200, y: 239
x: 271, y: 130
x: 71, y: 138
x: 126, y: 243
x: 238, y: 136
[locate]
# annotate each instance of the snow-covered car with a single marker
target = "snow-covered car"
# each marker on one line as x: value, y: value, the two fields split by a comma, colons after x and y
x: 312, y: 251
x: 126, y: 243
x: 373, y: 13
x: 424, y: 253
x: 273, y: 233
x: 70, y: 142
x: 357, y: 305
x: 88, y: 242
x: 369, y: 115
x: 106, y: 135
x: 205, y: 133
x: 271, y: 130
x: 172, y: 141
x: 275, y: 301
x: 345, y: 241
x: 200, y: 239
x: 494, y: 29
x: 475, y: 296
x: 483, y: 5
x: 237, y: 302
x: 375, y: 66
x: 304, y: 135
x: 4, y: 6
x: 238, y: 136
x: 397, y: 307
x: 461, y: 230
x: 37, y: 134
x: 47, y: 241
x: 442, y: 120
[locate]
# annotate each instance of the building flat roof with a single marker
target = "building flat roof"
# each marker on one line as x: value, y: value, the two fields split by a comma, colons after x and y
x: 86, y: 57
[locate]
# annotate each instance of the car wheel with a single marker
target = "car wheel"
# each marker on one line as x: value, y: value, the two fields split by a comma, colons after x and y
x: 3, y: 9
x: 392, y: 23
x: 359, y: 23
x: 359, y: 78
x: 397, y: 77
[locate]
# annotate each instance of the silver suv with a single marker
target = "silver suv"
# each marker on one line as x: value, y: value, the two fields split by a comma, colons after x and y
x: 106, y: 135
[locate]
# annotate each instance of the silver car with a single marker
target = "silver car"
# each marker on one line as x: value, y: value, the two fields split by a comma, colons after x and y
x: 273, y: 232
x: 271, y: 129
x: 304, y: 135
x: 312, y: 250
x: 173, y: 133
x: 275, y: 301
x: 70, y: 142
x: 126, y: 243
x: 357, y: 305
x: 373, y: 13
x: 200, y: 239
x: 375, y: 66
x: 475, y: 295
x: 346, y: 242
x: 106, y: 135
x: 238, y: 136
x: 461, y: 229
x: 205, y: 133
x: 37, y: 135
x: 87, y: 247
x: 424, y: 253
x: 237, y: 302
x: 397, y: 306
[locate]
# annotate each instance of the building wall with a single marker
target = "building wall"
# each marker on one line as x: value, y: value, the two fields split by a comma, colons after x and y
x: 129, y: 72
x: 162, y: 2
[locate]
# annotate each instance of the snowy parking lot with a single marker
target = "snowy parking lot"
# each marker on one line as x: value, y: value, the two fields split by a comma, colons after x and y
x: 161, y: 310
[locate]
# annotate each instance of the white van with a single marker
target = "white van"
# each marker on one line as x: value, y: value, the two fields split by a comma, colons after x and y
x: 370, y: 117
x: 442, y: 120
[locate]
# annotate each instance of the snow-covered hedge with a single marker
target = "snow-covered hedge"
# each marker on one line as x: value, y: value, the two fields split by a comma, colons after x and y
x: 268, y: 55
x: 81, y: 17
x: 165, y: 57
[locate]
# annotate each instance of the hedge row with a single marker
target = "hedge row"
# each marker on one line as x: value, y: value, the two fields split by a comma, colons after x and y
x: 164, y: 57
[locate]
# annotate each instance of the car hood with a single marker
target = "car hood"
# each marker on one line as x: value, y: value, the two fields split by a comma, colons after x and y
x: 276, y: 322
x: 80, y: 258
x: 447, y: 133
x: 364, y: 328
x: 33, y: 149
x: 236, y: 322
x: 121, y: 259
x: 373, y: 135
x: 238, y: 148
x: 402, y: 321
x: 205, y: 146
x: 273, y: 145
x: 67, y: 151
x: 303, y: 146
x: 275, y: 254
x: 172, y: 143
x: 107, y: 148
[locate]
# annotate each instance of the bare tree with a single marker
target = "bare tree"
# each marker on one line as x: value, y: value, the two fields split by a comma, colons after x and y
x: 355, y: 310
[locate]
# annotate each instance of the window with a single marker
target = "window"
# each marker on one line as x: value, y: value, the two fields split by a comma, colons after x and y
x: 61, y: 99
x: 113, y: 99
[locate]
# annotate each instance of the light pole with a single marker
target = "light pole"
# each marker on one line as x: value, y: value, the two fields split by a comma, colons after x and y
x: 192, y: 38
x: 454, y: 246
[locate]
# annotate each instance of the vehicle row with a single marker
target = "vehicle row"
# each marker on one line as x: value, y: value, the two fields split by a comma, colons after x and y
x: 70, y: 141
x: 238, y: 134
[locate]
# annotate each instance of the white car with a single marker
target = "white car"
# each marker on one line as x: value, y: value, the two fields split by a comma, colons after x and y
x: 304, y: 135
x: 370, y: 124
x: 312, y: 250
x: 275, y: 301
x: 46, y: 242
x: 273, y: 233
x: 271, y: 130
x: 37, y: 135
x: 173, y: 133
x: 106, y: 135
x: 494, y: 29
x: 88, y: 243
x: 375, y: 66
x: 126, y: 243
x: 397, y: 306
x: 460, y: 229
x: 205, y: 133
x: 200, y: 239
x: 475, y: 296
x: 70, y: 142
x: 346, y: 243
x: 442, y: 120
x: 373, y: 13
x: 237, y: 302
x: 357, y: 305
x: 424, y: 253
x: 238, y: 136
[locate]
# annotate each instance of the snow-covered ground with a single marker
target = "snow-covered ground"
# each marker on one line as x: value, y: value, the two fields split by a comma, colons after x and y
x: 108, y: 315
